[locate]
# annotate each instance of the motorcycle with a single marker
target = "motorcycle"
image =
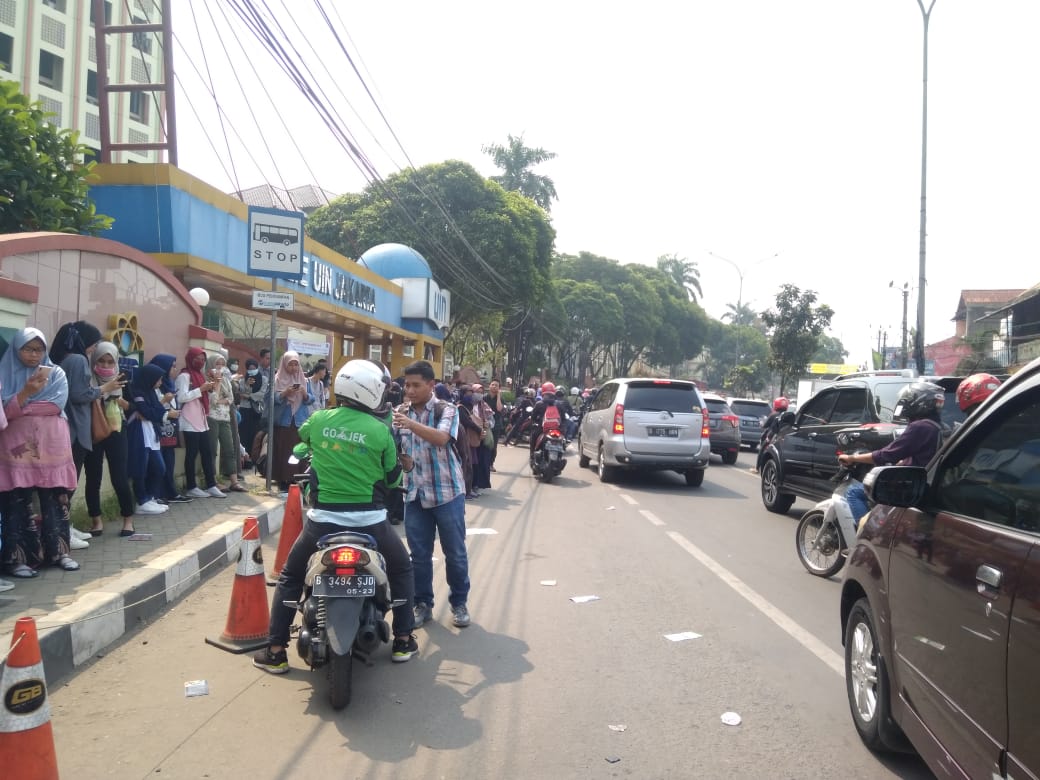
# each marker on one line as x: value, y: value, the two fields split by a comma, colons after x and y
x: 345, y: 597
x: 827, y: 531
x: 548, y: 459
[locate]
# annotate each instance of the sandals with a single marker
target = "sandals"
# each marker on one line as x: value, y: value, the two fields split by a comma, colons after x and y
x: 237, y: 488
x: 23, y: 571
x: 66, y: 563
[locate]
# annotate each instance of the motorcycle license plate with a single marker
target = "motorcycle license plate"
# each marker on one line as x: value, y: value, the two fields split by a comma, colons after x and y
x: 669, y: 432
x: 344, y: 585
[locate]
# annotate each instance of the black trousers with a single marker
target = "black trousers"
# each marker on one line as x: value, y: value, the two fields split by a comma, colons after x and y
x: 113, y: 448
x: 197, y: 445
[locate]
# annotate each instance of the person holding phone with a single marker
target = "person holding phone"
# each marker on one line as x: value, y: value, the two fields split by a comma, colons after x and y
x: 193, y: 389
x: 292, y: 406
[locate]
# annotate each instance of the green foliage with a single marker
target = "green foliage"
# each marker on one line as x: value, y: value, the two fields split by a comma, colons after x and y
x: 796, y: 325
x: 683, y: 272
x: 43, y: 181
x: 829, y: 349
x: 515, y: 160
x: 737, y: 359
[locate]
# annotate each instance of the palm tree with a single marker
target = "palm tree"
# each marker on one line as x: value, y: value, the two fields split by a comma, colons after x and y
x: 740, y: 314
x: 683, y: 272
x: 515, y: 161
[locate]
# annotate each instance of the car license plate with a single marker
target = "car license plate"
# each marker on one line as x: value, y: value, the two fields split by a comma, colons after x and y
x: 669, y: 432
x: 344, y: 585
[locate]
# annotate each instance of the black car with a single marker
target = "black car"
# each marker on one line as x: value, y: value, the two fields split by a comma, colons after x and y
x: 802, y: 458
x: 940, y: 603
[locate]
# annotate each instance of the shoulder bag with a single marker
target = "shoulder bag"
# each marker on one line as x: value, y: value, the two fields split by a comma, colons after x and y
x: 99, y: 425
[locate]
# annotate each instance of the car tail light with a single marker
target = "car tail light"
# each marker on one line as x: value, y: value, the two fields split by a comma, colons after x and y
x: 705, y: 425
x: 345, y: 556
x: 732, y: 420
x: 619, y: 418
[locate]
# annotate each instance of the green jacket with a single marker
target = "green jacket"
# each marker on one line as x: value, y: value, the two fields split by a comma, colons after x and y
x: 354, y: 456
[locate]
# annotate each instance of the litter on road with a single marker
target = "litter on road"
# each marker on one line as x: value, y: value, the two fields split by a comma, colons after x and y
x: 584, y: 599
x: 682, y: 635
x: 480, y: 531
x: 731, y: 718
x: 618, y: 727
x: 196, y: 688
x: 613, y: 759
x: 547, y: 582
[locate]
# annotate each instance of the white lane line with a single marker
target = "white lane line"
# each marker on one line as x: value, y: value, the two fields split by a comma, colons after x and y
x: 786, y: 624
x: 651, y: 517
x: 628, y: 499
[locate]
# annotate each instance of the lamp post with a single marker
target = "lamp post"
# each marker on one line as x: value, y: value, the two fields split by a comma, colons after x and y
x: 740, y: 296
x: 919, y: 335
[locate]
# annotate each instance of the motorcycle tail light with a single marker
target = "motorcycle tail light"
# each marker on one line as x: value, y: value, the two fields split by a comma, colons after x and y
x: 619, y: 418
x: 344, y: 556
x: 705, y: 425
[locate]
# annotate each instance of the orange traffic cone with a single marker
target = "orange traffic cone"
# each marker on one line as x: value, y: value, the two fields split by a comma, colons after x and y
x: 249, y: 614
x: 26, y: 739
x: 292, y: 525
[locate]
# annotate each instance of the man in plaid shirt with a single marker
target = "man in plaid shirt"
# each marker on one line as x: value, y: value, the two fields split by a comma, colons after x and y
x: 435, y: 502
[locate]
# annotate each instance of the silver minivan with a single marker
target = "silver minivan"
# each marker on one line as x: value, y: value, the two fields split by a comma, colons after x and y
x: 648, y: 425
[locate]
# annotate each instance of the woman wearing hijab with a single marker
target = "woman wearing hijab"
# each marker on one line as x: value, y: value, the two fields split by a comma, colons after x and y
x: 292, y: 404
x: 35, y: 455
x: 221, y: 406
x: 168, y: 435
x: 146, y: 463
x: 193, y: 389
x: 104, y: 367
x: 470, y: 432
x: 73, y: 345
x: 480, y: 456
x: 316, y: 385
x: 251, y: 394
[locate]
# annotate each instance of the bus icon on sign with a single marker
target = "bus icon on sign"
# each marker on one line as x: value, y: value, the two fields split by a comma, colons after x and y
x: 273, y: 233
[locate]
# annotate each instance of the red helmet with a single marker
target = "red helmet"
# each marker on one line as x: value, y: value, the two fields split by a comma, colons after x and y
x: 780, y: 404
x: 548, y: 387
x: 975, y: 389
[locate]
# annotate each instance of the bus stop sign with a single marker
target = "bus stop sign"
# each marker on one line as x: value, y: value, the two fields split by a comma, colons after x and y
x: 275, y: 243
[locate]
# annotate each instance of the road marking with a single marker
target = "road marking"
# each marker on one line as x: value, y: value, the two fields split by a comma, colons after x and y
x: 628, y: 499
x: 651, y: 517
x: 785, y: 623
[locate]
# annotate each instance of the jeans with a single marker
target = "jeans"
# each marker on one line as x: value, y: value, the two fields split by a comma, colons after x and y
x: 114, y: 449
x: 421, y: 527
x: 197, y: 444
x: 290, y: 582
x: 149, y: 485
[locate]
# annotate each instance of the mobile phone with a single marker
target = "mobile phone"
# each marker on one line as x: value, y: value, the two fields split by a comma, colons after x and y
x: 296, y: 386
x: 45, y: 370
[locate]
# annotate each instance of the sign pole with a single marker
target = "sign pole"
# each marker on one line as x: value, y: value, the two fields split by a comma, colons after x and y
x: 270, y: 385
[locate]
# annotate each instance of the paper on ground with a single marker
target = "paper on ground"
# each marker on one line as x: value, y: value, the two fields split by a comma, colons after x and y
x: 196, y: 688
x: 584, y: 599
x: 480, y: 531
x: 547, y: 582
x: 682, y: 635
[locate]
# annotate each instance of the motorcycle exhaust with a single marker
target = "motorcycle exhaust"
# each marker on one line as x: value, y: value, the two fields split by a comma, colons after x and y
x: 368, y: 639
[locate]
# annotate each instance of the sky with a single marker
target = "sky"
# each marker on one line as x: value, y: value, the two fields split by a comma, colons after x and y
x: 769, y: 142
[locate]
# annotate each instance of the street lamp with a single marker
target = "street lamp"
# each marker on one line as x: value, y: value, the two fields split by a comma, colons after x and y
x: 740, y: 296
x: 919, y: 336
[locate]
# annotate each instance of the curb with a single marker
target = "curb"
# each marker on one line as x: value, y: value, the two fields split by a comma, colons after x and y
x: 99, y: 619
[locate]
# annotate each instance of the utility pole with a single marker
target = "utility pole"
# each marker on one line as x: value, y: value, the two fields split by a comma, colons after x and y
x: 906, y: 294
x: 921, y: 281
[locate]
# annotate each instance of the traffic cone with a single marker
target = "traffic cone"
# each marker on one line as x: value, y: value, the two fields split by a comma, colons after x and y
x: 248, y: 614
x: 26, y: 738
x: 292, y: 525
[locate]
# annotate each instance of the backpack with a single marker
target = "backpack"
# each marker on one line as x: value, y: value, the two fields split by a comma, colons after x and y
x: 551, y: 418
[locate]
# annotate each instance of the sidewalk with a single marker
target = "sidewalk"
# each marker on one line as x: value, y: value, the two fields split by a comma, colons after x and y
x: 122, y: 583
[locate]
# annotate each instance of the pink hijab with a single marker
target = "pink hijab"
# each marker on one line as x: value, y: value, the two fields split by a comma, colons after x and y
x: 284, y: 379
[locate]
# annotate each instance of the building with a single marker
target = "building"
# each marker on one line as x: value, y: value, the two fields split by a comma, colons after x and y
x: 308, y: 198
x: 982, y: 337
x: 48, y: 48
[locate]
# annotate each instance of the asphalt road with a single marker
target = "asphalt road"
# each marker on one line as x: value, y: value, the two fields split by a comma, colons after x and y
x: 539, y: 686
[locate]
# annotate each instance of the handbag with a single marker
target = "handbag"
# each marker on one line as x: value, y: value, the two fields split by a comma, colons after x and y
x: 168, y: 433
x: 99, y: 426
x: 488, y: 439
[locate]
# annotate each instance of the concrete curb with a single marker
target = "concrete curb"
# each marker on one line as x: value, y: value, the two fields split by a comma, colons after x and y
x: 71, y: 636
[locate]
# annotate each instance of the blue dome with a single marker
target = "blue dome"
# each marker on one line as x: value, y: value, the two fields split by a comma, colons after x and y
x: 396, y: 261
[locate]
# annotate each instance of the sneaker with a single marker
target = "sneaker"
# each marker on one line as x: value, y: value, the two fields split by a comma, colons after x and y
x: 180, y: 499
x: 460, y: 616
x: 274, y: 663
x: 162, y: 501
x: 423, y: 613
x: 5, y: 585
x: 151, y: 508
x: 83, y: 536
x: 196, y: 493
x: 215, y: 492
x: 75, y: 543
x: 404, y: 649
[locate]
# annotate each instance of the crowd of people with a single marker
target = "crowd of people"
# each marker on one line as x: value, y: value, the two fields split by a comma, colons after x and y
x: 69, y: 407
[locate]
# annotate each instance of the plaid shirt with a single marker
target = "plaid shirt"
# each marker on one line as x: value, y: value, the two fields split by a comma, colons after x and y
x: 437, y: 476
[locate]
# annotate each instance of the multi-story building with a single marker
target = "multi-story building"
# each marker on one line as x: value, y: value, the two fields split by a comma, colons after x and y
x: 48, y: 48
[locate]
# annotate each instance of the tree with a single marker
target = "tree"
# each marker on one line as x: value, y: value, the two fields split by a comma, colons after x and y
x: 796, y: 326
x: 829, y: 349
x: 740, y: 314
x: 43, y: 179
x: 683, y: 272
x: 516, y: 160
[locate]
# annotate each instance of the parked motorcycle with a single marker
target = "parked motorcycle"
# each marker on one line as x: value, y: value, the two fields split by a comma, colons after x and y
x: 345, y: 597
x: 827, y: 531
x: 548, y: 459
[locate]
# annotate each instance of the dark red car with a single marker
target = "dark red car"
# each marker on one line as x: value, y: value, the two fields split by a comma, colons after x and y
x: 940, y: 605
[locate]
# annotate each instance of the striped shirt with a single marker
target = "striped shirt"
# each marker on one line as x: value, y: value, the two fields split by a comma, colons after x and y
x: 437, y: 475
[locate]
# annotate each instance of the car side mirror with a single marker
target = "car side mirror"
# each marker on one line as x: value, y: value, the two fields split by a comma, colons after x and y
x: 787, y: 418
x: 902, y: 486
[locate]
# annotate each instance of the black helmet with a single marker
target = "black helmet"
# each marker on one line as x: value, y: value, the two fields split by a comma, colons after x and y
x: 919, y: 399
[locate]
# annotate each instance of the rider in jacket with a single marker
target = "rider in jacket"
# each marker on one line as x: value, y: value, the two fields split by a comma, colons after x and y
x: 355, y: 459
x: 548, y: 390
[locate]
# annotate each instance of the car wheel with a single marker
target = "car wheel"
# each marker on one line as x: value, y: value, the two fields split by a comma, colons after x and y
x: 606, y: 473
x: 729, y: 457
x: 772, y: 498
x: 694, y: 477
x: 583, y: 459
x: 865, y: 678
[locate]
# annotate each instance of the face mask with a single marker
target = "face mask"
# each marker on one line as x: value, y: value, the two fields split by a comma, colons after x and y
x: 253, y: 371
x: 106, y: 373
x: 233, y: 368
x: 478, y: 397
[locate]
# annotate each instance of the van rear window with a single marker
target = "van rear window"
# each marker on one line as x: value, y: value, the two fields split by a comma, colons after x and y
x: 745, y: 409
x: 674, y: 398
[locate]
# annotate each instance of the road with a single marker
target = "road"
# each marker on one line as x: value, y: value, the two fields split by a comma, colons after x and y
x: 539, y: 686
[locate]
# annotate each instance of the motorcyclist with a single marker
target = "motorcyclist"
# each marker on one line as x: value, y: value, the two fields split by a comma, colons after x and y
x: 548, y: 390
x: 568, y: 417
x: 972, y: 391
x: 771, y: 426
x: 520, y: 418
x: 353, y: 453
x: 919, y: 402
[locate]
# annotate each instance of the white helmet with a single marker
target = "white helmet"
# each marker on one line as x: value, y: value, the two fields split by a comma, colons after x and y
x: 361, y: 382
x: 574, y: 391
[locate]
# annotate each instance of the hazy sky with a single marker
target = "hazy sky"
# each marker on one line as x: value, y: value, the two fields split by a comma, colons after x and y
x: 744, y: 129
